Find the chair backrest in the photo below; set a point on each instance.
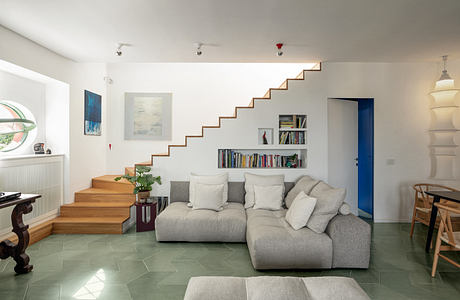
(446, 222)
(179, 191)
(421, 188)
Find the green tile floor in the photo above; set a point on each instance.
(135, 266)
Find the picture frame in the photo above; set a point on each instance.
(148, 116)
(92, 114)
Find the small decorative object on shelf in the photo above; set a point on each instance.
(265, 136)
(48, 151)
(232, 158)
(39, 148)
(142, 182)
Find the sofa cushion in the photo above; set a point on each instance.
(268, 197)
(328, 203)
(208, 179)
(208, 196)
(253, 179)
(273, 287)
(274, 244)
(178, 222)
(300, 211)
(305, 184)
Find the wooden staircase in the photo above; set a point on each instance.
(283, 87)
(103, 208)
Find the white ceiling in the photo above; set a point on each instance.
(240, 30)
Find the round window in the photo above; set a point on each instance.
(17, 126)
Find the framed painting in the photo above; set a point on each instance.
(148, 116)
(93, 114)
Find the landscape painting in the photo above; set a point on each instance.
(148, 116)
(93, 113)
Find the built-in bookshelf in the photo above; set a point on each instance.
(292, 129)
(289, 152)
(275, 158)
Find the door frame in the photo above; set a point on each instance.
(363, 165)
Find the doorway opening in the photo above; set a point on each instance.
(351, 151)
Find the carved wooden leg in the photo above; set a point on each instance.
(21, 230)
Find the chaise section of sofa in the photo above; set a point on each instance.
(178, 222)
(274, 244)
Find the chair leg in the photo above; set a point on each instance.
(436, 250)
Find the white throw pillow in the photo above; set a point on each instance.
(268, 197)
(328, 203)
(252, 179)
(208, 196)
(305, 184)
(300, 210)
(208, 179)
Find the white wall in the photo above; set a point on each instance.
(402, 119)
(201, 93)
(29, 93)
(86, 157)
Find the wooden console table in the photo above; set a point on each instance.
(17, 251)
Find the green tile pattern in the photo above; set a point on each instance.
(136, 266)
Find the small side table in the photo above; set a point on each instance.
(145, 216)
(18, 251)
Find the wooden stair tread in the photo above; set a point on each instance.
(92, 220)
(111, 179)
(101, 204)
(102, 191)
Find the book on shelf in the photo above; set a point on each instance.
(292, 137)
(232, 159)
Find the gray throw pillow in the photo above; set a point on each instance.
(329, 200)
(305, 184)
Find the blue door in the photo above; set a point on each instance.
(366, 155)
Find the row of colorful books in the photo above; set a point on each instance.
(295, 122)
(292, 137)
(232, 159)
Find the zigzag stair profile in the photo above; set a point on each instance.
(103, 208)
(268, 95)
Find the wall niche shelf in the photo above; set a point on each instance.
(292, 129)
(262, 158)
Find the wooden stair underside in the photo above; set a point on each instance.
(284, 86)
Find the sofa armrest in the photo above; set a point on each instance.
(351, 241)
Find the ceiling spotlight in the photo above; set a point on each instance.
(119, 46)
(279, 46)
(198, 48)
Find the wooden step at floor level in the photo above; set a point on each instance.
(97, 209)
(108, 182)
(87, 225)
(36, 232)
(104, 195)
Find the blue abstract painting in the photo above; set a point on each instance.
(93, 114)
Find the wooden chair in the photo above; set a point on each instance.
(423, 203)
(447, 236)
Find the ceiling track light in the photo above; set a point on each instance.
(119, 46)
(198, 46)
(279, 46)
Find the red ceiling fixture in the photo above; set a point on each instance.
(279, 46)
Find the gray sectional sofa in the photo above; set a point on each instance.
(273, 287)
(272, 242)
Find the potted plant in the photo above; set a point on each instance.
(142, 182)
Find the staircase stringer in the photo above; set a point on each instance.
(268, 95)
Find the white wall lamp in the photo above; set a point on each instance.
(443, 130)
